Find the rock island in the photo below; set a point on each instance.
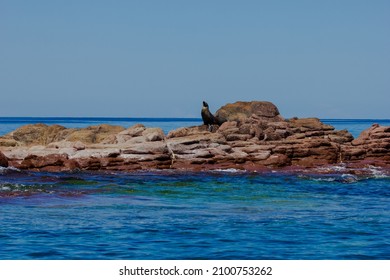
(254, 136)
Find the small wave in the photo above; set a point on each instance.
(332, 169)
(377, 172)
(5, 170)
(331, 179)
(349, 178)
(344, 178)
(229, 170)
(5, 188)
(12, 187)
(352, 174)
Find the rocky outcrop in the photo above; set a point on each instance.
(36, 134)
(42, 134)
(240, 111)
(91, 134)
(371, 145)
(254, 137)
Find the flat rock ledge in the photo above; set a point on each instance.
(254, 138)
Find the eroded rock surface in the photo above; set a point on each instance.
(373, 144)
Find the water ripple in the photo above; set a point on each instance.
(216, 215)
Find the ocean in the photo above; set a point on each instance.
(8, 124)
(223, 214)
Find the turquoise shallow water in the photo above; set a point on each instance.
(177, 215)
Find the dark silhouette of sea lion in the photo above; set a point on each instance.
(207, 117)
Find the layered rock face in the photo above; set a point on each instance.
(254, 136)
(372, 145)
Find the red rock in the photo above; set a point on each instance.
(238, 137)
(33, 161)
(228, 127)
(241, 111)
(277, 160)
(157, 147)
(3, 160)
(188, 131)
(258, 138)
(310, 161)
(111, 162)
(340, 136)
(309, 124)
(270, 134)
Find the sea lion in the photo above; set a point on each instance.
(207, 117)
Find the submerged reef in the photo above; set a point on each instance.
(254, 136)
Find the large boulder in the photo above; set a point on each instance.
(241, 111)
(153, 134)
(35, 134)
(94, 134)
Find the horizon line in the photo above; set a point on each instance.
(167, 118)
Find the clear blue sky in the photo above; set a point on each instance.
(329, 59)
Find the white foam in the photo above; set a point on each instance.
(339, 168)
(229, 170)
(330, 179)
(5, 169)
(5, 188)
(333, 168)
(377, 172)
(349, 178)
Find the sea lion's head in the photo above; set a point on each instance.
(205, 104)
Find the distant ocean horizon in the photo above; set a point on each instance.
(8, 124)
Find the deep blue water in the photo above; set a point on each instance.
(355, 127)
(193, 216)
(8, 124)
(180, 215)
